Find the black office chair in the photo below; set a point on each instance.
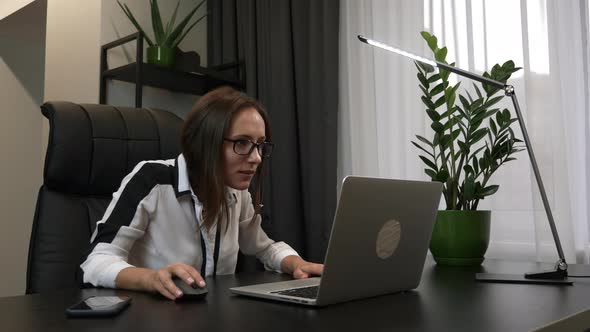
(91, 148)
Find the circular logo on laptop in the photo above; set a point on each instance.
(388, 238)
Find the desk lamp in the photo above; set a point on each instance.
(559, 274)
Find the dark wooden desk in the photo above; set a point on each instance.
(448, 299)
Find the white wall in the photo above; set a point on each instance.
(22, 50)
(7, 7)
(116, 25)
(72, 54)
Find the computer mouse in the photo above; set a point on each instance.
(189, 292)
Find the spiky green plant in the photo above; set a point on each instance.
(465, 150)
(172, 35)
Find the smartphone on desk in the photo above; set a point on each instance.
(99, 306)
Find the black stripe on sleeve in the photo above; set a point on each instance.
(138, 187)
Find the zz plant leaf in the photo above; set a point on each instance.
(471, 139)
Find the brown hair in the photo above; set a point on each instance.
(202, 140)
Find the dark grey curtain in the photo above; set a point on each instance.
(289, 50)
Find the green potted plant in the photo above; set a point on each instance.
(471, 139)
(163, 50)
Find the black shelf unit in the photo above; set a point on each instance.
(198, 81)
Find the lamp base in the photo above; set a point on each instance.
(556, 276)
(520, 279)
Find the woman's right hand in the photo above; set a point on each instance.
(161, 280)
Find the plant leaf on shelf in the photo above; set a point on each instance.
(179, 39)
(129, 15)
(157, 22)
(170, 35)
(172, 19)
(176, 32)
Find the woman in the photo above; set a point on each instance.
(171, 216)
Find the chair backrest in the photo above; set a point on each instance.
(91, 148)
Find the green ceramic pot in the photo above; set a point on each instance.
(161, 56)
(460, 238)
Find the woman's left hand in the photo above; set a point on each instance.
(300, 268)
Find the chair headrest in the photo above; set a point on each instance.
(92, 147)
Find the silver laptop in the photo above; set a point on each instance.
(378, 244)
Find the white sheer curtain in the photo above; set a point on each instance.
(381, 109)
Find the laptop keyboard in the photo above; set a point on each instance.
(310, 292)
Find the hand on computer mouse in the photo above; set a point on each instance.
(192, 292)
(161, 280)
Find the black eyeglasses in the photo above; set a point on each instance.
(244, 147)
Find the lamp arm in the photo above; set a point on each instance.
(509, 90)
(472, 76)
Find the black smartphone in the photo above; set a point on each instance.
(97, 306)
